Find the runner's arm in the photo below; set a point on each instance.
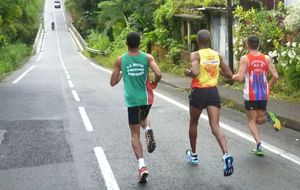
(225, 70)
(194, 70)
(239, 76)
(273, 72)
(116, 75)
(154, 67)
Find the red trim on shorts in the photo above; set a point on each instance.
(150, 93)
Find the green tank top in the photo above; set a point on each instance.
(135, 72)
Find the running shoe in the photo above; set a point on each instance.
(274, 121)
(258, 151)
(143, 174)
(151, 145)
(193, 159)
(228, 167)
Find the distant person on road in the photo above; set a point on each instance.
(134, 66)
(206, 65)
(254, 68)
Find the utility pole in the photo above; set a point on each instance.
(229, 28)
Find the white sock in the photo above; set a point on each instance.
(141, 163)
(224, 156)
(146, 129)
(193, 153)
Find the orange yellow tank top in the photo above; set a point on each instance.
(209, 69)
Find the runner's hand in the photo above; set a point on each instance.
(153, 84)
(187, 72)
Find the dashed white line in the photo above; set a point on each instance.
(75, 95)
(23, 75)
(109, 178)
(71, 85)
(68, 76)
(86, 120)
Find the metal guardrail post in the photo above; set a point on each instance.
(83, 42)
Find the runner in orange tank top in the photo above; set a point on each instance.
(204, 72)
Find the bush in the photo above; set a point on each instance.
(264, 24)
(98, 41)
(288, 57)
(11, 56)
(292, 21)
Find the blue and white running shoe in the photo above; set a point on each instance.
(193, 159)
(228, 167)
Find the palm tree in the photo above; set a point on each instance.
(113, 11)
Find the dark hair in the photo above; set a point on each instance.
(133, 40)
(253, 42)
(203, 37)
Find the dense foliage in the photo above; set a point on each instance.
(105, 23)
(279, 38)
(19, 22)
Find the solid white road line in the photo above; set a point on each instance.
(71, 85)
(23, 75)
(86, 120)
(75, 95)
(64, 16)
(109, 178)
(39, 57)
(83, 56)
(239, 133)
(100, 68)
(231, 129)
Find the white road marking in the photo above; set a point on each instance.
(75, 95)
(100, 68)
(233, 130)
(64, 16)
(109, 178)
(239, 133)
(86, 120)
(23, 75)
(83, 56)
(39, 57)
(68, 76)
(43, 44)
(71, 85)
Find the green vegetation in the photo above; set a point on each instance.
(279, 38)
(105, 24)
(19, 22)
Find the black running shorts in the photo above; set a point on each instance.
(255, 105)
(203, 97)
(138, 113)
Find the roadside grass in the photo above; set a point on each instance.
(12, 57)
(106, 60)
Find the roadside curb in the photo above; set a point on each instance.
(286, 122)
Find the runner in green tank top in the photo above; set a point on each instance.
(138, 95)
(137, 87)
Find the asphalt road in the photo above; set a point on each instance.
(63, 127)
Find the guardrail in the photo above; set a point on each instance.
(37, 40)
(83, 42)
